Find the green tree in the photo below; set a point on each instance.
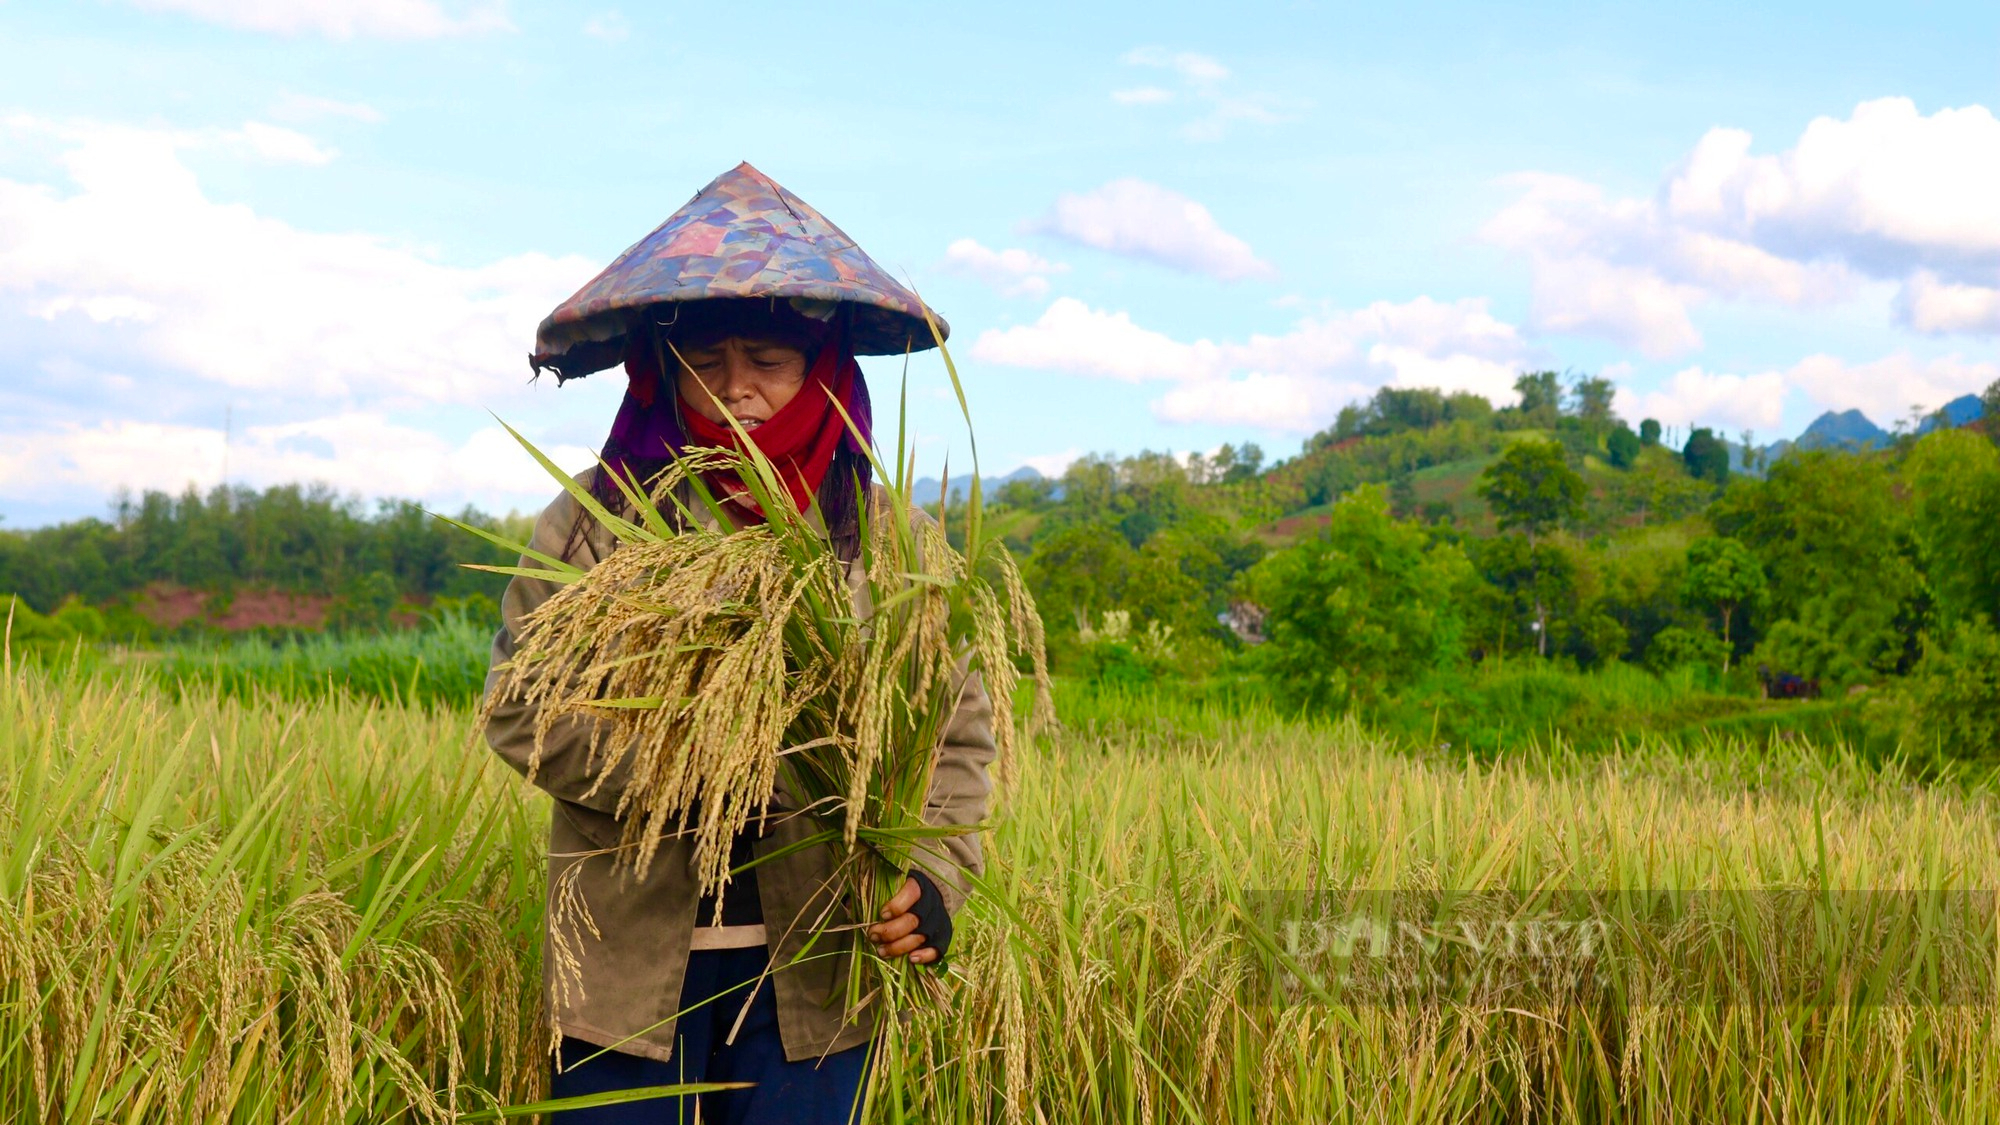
(1249, 461)
(1706, 456)
(366, 603)
(1402, 496)
(1591, 396)
(1953, 477)
(1834, 537)
(1532, 487)
(1649, 432)
(1956, 690)
(1724, 574)
(1621, 446)
(1658, 487)
(1541, 396)
(1367, 603)
(1989, 401)
(1079, 572)
(1030, 494)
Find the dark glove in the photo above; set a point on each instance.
(933, 920)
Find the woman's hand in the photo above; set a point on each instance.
(896, 934)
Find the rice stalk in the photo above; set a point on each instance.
(709, 662)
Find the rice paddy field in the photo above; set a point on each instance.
(222, 904)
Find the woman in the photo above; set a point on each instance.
(746, 304)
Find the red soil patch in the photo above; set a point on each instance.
(171, 606)
(1291, 527)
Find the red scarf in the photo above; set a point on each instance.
(800, 439)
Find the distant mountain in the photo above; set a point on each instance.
(1957, 412)
(1849, 429)
(927, 487)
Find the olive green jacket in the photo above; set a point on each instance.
(620, 986)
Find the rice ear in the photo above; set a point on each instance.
(710, 662)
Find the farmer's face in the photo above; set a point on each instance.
(751, 379)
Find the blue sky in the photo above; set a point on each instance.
(336, 222)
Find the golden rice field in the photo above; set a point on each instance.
(330, 911)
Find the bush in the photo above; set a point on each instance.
(1678, 647)
(38, 634)
(1112, 654)
(1956, 692)
(1803, 650)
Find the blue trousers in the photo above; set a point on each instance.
(816, 1091)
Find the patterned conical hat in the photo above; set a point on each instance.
(741, 236)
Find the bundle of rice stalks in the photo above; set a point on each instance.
(713, 660)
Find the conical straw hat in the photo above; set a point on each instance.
(741, 236)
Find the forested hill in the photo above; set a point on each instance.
(1426, 533)
(1422, 532)
(292, 556)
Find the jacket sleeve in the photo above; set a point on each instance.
(960, 788)
(566, 769)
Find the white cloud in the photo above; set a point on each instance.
(222, 294)
(1928, 304)
(287, 146)
(1890, 388)
(341, 19)
(1014, 272)
(1053, 464)
(309, 107)
(1887, 194)
(609, 26)
(1202, 81)
(1278, 402)
(1886, 390)
(359, 452)
(1192, 67)
(1144, 220)
(1072, 336)
(1694, 397)
(1293, 382)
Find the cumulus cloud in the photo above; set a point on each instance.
(145, 307)
(1144, 220)
(1929, 304)
(1694, 397)
(1891, 388)
(1014, 272)
(1293, 382)
(1053, 464)
(341, 19)
(1202, 82)
(223, 294)
(361, 452)
(1885, 194)
(1887, 390)
(286, 146)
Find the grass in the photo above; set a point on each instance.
(215, 910)
(329, 909)
(442, 664)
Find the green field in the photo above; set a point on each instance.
(327, 909)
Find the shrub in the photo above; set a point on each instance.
(1112, 653)
(1805, 650)
(1679, 647)
(1956, 691)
